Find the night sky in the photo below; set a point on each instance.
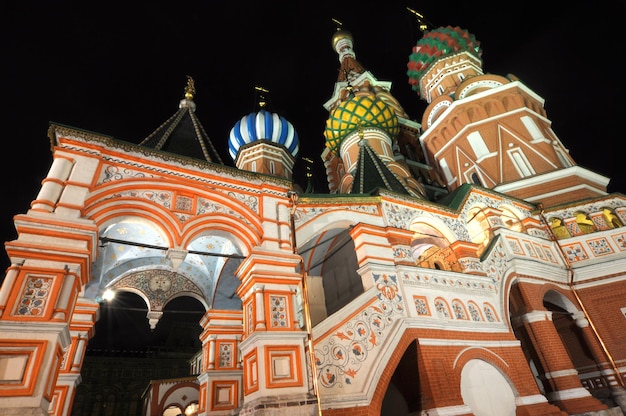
(121, 70)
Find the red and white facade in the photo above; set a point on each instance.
(505, 297)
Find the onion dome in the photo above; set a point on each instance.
(438, 43)
(359, 112)
(263, 125)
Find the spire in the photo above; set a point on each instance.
(342, 44)
(182, 133)
(262, 96)
(310, 186)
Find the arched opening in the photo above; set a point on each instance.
(485, 390)
(479, 228)
(125, 354)
(431, 248)
(558, 228)
(341, 281)
(403, 395)
(571, 336)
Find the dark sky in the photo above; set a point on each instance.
(121, 70)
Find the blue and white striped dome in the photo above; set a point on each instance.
(263, 125)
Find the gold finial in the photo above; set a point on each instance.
(262, 91)
(190, 89)
(423, 23)
(309, 161)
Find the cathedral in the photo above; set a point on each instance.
(458, 264)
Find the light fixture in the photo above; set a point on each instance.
(192, 409)
(108, 295)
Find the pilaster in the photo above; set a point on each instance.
(276, 373)
(221, 375)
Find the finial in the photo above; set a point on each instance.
(190, 89)
(360, 132)
(338, 23)
(262, 100)
(309, 163)
(423, 23)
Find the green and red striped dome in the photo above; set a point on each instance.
(361, 111)
(435, 44)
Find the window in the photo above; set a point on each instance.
(522, 165)
(533, 129)
(478, 144)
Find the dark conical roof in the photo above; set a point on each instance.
(372, 173)
(183, 133)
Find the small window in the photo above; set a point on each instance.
(522, 165)
(533, 129)
(611, 219)
(478, 144)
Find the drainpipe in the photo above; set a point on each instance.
(305, 301)
(570, 271)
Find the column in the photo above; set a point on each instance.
(566, 389)
(617, 391)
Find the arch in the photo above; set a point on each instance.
(172, 395)
(315, 237)
(174, 409)
(554, 296)
(476, 112)
(459, 309)
(432, 230)
(512, 102)
(430, 245)
(225, 227)
(611, 218)
(478, 368)
(485, 390)
(585, 224)
(159, 218)
(511, 217)
(478, 83)
(442, 308)
(493, 107)
(478, 227)
(403, 391)
(159, 199)
(405, 352)
(558, 228)
(490, 312)
(475, 313)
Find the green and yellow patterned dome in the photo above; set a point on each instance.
(362, 111)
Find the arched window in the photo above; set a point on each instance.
(442, 308)
(611, 219)
(559, 230)
(585, 224)
(490, 314)
(459, 310)
(474, 311)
